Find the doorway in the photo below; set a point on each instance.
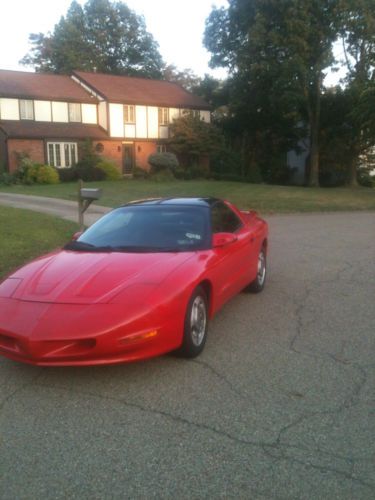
(127, 159)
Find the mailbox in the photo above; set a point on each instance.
(85, 197)
(90, 193)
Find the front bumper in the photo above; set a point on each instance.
(66, 335)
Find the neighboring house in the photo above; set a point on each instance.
(127, 119)
(136, 113)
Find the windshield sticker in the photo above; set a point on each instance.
(193, 236)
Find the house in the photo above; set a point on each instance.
(127, 118)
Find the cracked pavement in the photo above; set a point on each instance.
(281, 404)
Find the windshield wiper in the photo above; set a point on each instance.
(86, 247)
(140, 249)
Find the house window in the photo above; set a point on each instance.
(75, 112)
(161, 148)
(62, 154)
(129, 114)
(26, 109)
(195, 113)
(163, 116)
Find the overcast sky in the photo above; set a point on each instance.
(177, 25)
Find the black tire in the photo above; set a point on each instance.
(257, 285)
(195, 325)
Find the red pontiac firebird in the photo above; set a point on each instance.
(142, 281)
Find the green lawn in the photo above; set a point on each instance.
(266, 199)
(25, 235)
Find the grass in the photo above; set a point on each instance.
(265, 198)
(26, 234)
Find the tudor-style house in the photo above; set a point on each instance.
(48, 117)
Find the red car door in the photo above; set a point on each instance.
(231, 265)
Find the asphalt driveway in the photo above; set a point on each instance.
(281, 404)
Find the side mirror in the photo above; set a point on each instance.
(223, 239)
(76, 235)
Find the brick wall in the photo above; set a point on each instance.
(112, 150)
(33, 147)
(142, 151)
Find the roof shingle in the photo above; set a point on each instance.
(133, 90)
(24, 85)
(47, 130)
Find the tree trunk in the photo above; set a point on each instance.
(352, 173)
(314, 118)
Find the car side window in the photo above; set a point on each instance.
(223, 219)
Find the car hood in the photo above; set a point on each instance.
(69, 277)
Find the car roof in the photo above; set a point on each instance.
(184, 201)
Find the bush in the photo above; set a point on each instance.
(165, 175)
(69, 174)
(41, 174)
(365, 179)
(162, 161)
(7, 179)
(29, 172)
(140, 173)
(89, 173)
(110, 170)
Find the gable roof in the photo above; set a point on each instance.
(133, 90)
(24, 85)
(46, 130)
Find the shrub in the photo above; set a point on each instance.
(24, 163)
(7, 179)
(110, 170)
(140, 173)
(41, 174)
(365, 178)
(165, 175)
(69, 174)
(162, 161)
(89, 173)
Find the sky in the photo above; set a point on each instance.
(177, 25)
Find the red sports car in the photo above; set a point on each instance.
(142, 281)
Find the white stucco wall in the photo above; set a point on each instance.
(163, 132)
(174, 113)
(60, 111)
(42, 111)
(153, 122)
(89, 113)
(9, 109)
(116, 120)
(129, 131)
(205, 116)
(141, 122)
(102, 114)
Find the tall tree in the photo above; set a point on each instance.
(102, 35)
(185, 77)
(357, 30)
(279, 51)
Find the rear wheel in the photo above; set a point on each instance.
(196, 325)
(257, 285)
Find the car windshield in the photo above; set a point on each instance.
(156, 228)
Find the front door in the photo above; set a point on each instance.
(127, 159)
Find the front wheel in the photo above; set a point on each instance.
(195, 325)
(257, 285)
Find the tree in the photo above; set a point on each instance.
(279, 51)
(186, 77)
(101, 36)
(191, 138)
(357, 30)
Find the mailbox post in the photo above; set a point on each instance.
(85, 197)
